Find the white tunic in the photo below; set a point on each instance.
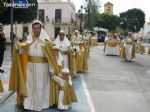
(112, 50)
(128, 51)
(38, 80)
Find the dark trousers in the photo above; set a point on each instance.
(1, 57)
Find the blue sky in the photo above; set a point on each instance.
(122, 5)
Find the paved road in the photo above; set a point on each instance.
(116, 85)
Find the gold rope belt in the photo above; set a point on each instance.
(37, 59)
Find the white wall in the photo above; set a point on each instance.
(145, 31)
(67, 11)
(7, 30)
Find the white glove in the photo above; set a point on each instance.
(51, 72)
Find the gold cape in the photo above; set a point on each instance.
(85, 58)
(69, 95)
(17, 81)
(71, 63)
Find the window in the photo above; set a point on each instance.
(57, 30)
(41, 15)
(58, 15)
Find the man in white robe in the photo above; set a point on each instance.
(64, 45)
(129, 47)
(38, 70)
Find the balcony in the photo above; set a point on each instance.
(64, 21)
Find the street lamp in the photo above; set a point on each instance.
(11, 28)
(81, 17)
(89, 3)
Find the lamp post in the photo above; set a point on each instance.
(11, 28)
(81, 17)
(89, 3)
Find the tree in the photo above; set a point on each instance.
(92, 9)
(20, 15)
(108, 21)
(132, 20)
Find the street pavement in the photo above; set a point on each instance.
(5, 76)
(116, 85)
(110, 85)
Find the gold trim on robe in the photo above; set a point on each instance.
(69, 94)
(71, 64)
(17, 77)
(54, 87)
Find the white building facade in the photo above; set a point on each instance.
(146, 33)
(55, 15)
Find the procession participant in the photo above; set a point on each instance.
(112, 45)
(108, 37)
(128, 50)
(141, 47)
(64, 45)
(121, 36)
(2, 50)
(32, 82)
(149, 51)
(2, 46)
(138, 43)
(85, 56)
(67, 93)
(67, 51)
(77, 37)
(72, 59)
(79, 58)
(86, 40)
